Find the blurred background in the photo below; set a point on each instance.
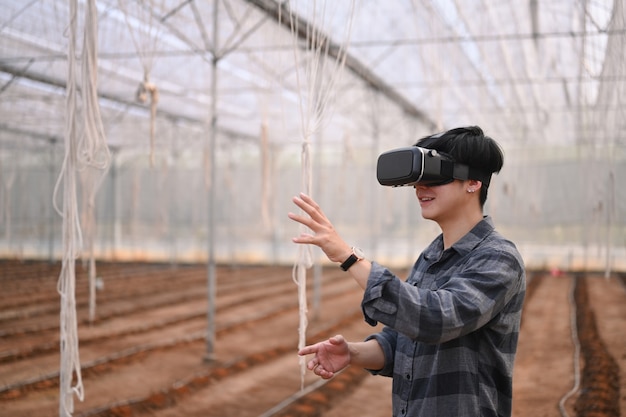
(178, 130)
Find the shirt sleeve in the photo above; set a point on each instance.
(387, 339)
(457, 303)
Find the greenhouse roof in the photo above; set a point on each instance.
(538, 73)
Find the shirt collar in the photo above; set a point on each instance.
(464, 245)
(468, 242)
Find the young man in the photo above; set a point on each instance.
(451, 328)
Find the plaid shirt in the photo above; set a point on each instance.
(451, 329)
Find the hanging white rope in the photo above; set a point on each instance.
(93, 153)
(70, 361)
(90, 180)
(145, 36)
(86, 150)
(315, 87)
(304, 262)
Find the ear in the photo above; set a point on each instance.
(473, 186)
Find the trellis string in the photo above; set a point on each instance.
(147, 90)
(319, 82)
(93, 152)
(81, 151)
(72, 239)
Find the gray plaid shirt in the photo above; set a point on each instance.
(451, 329)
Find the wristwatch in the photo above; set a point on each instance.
(356, 255)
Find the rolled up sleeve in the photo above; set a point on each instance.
(381, 280)
(387, 339)
(457, 302)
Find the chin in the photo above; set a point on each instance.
(428, 216)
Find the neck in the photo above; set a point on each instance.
(454, 229)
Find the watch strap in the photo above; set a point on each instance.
(352, 259)
(355, 256)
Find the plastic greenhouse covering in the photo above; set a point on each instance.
(179, 130)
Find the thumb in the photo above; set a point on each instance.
(337, 340)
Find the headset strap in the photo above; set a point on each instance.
(464, 172)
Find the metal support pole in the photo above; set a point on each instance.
(211, 278)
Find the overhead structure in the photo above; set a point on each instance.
(545, 79)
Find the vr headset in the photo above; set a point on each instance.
(412, 165)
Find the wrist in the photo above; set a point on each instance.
(356, 255)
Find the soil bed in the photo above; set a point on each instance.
(144, 354)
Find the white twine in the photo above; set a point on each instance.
(319, 82)
(299, 276)
(86, 150)
(72, 240)
(304, 262)
(148, 89)
(145, 39)
(93, 151)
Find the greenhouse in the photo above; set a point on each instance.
(177, 132)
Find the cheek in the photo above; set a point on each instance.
(452, 199)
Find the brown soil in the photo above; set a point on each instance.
(145, 354)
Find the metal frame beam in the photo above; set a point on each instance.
(278, 11)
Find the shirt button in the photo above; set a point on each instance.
(408, 376)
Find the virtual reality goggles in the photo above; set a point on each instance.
(412, 165)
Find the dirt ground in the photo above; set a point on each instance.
(145, 354)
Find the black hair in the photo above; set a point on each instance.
(469, 146)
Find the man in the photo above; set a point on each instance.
(451, 328)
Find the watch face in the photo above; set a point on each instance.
(358, 252)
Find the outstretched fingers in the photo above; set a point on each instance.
(315, 219)
(305, 220)
(310, 207)
(307, 350)
(323, 233)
